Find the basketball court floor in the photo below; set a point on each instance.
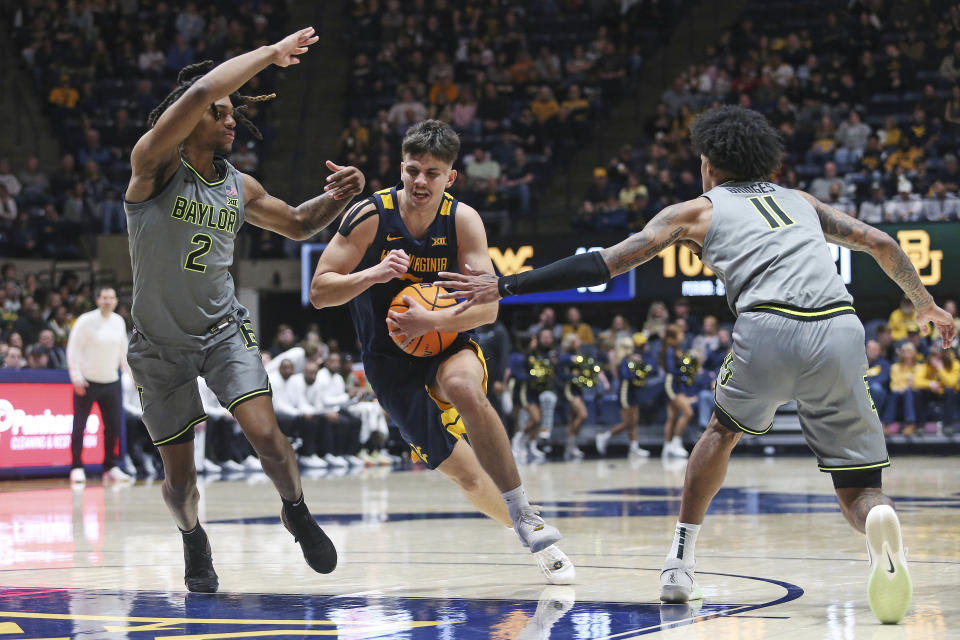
(775, 558)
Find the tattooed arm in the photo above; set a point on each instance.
(679, 223)
(302, 222)
(687, 222)
(840, 228)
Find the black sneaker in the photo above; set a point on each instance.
(198, 574)
(318, 549)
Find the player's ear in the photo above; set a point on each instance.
(451, 178)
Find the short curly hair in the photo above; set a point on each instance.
(738, 141)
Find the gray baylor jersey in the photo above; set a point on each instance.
(181, 245)
(766, 244)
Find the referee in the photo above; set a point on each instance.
(96, 349)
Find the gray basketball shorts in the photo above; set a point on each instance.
(166, 379)
(820, 363)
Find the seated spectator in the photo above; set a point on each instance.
(13, 358)
(820, 187)
(575, 104)
(406, 112)
(940, 206)
(140, 450)
(690, 322)
(36, 183)
(37, 357)
(838, 199)
(906, 157)
(332, 398)
(7, 179)
(655, 326)
(444, 87)
(950, 65)
(482, 171)
(902, 402)
(906, 206)
(853, 133)
(492, 109)
(878, 375)
(544, 106)
(57, 356)
(901, 318)
(872, 210)
(516, 181)
(465, 112)
(938, 382)
(578, 327)
(110, 213)
(64, 95)
(619, 328)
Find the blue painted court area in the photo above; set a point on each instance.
(81, 613)
(644, 501)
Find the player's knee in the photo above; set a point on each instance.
(464, 392)
(179, 487)
(722, 433)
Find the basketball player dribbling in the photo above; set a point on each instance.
(184, 205)
(796, 337)
(407, 234)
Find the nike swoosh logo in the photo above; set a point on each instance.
(890, 560)
(391, 238)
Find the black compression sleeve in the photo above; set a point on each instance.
(583, 270)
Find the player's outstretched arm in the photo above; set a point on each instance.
(678, 222)
(302, 222)
(333, 283)
(840, 228)
(160, 144)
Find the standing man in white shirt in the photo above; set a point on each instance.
(96, 350)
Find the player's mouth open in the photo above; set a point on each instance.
(421, 196)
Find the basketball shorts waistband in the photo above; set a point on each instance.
(805, 315)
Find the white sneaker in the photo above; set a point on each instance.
(535, 534)
(601, 440)
(535, 454)
(116, 474)
(232, 465)
(636, 451)
(128, 463)
(369, 459)
(389, 457)
(890, 588)
(555, 565)
(335, 461)
(354, 461)
(209, 466)
(677, 582)
(313, 462)
(573, 453)
(252, 463)
(677, 448)
(78, 476)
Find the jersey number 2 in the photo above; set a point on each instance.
(770, 210)
(205, 242)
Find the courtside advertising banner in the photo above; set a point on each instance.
(36, 422)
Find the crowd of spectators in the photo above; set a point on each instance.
(326, 407)
(866, 96)
(99, 69)
(522, 83)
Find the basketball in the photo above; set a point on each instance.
(428, 297)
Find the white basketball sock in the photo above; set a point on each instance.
(517, 502)
(684, 542)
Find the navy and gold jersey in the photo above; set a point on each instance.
(436, 251)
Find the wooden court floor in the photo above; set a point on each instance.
(775, 558)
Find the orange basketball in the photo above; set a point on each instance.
(428, 297)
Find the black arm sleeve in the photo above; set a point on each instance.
(583, 270)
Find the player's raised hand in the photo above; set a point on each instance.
(942, 320)
(474, 287)
(286, 51)
(393, 266)
(344, 182)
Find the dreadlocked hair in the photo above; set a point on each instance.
(193, 72)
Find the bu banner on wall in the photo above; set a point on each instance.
(36, 422)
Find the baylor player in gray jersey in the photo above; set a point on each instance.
(796, 336)
(184, 206)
